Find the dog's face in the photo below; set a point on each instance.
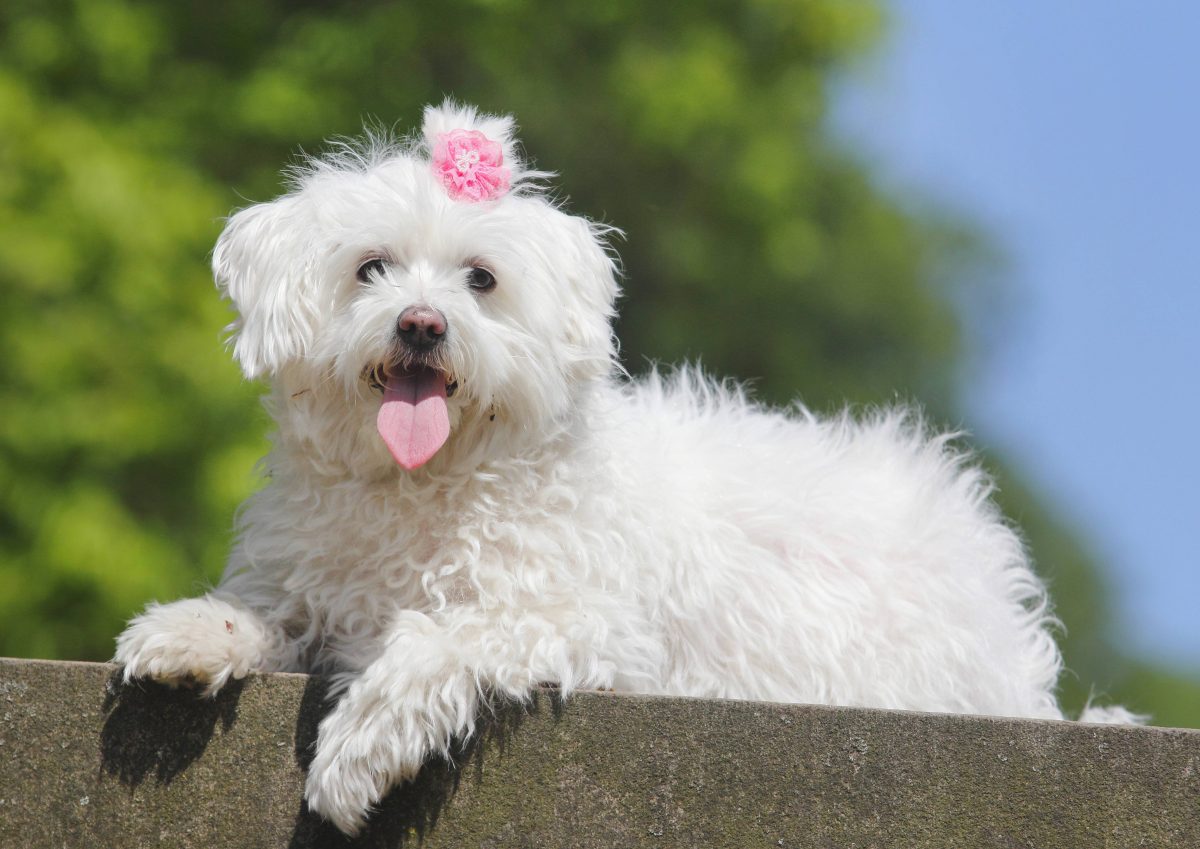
(416, 305)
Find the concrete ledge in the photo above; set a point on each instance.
(87, 763)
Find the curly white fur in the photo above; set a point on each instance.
(664, 536)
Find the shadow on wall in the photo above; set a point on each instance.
(154, 730)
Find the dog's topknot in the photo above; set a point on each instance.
(380, 144)
(450, 116)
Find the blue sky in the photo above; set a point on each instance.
(1071, 133)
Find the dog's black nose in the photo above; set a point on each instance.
(421, 327)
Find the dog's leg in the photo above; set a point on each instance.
(424, 691)
(207, 641)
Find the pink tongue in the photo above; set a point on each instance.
(413, 420)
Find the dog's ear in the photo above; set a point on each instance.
(260, 263)
(591, 271)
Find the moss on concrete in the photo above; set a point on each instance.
(85, 762)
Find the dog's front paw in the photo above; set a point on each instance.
(202, 641)
(341, 788)
(360, 755)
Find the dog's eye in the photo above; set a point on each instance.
(481, 280)
(370, 268)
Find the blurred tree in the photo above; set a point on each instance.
(131, 128)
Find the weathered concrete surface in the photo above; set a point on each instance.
(87, 763)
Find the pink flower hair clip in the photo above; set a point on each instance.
(470, 165)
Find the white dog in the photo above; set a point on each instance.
(464, 500)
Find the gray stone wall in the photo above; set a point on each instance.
(85, 762)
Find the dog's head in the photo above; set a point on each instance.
(414, 291)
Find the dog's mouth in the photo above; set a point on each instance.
(376, 377)
(413, 419)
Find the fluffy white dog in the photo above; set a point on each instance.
(464, 500)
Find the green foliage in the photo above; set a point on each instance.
(130, 129)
